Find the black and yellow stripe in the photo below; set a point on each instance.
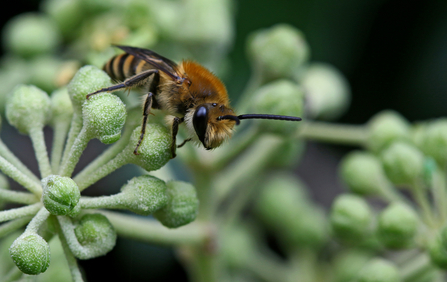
(124, 66)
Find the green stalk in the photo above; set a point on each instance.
(13, 225)
(59, 135)
(18, 197)
(76, 150)
(21, 178)
(19, 212)
(38, 220)
(333, 133)
(75, 128)
(40, 150)
(10, 157)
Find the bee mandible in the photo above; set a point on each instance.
(188, 91)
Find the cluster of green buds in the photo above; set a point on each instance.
(54, 204)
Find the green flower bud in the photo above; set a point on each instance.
(351, 218)
(98, 6)
(31, 34)
(310, 230)
(327, 91)
(87, 80)
(66, 13)
(60, 194)
(104, 116)
(95, 232)
(279, 51)
(288, 154)
(379, 270)
(182, 206)
(363, 173)
(14, 72)
(27, 107)
(31, 253)
(438, 248)
(154, 151)
(61, 107)
(145, 194)
(403, 163)
(386, 127)
(434, 140)
(397, 226)
(281, 97)
(239, 246)
(348, 263)
(44, 71)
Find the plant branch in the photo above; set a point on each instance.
(18, 197)
(13, 225)
(333, 133)
(37, 138)
(59, 135)
(20, 177)
(10, 157)
(20, 212)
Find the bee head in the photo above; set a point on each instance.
(209, 129)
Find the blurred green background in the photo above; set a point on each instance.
(392, 52)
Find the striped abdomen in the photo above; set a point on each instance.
(124, 66)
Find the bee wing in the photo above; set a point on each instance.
(164, 64)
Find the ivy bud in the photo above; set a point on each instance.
(386, 127)
(403, 163)
(31, 34)
(104, 116)
(27, 107)
(281, 97)
(434, 140)
(327, 91)
(351, 218)
(348, 263)
(182, 207)
(278, 51)
(61, 107)
(87, 80)
(95, 232)
(60, 194)
(154, 151)
(363, 173)
(397, 226)
(145, 194)
(31, 253)
(438, 248)
(379, 270)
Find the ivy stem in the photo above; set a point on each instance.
(20, 212)
(10, 157)
(439, 191)
(151, 231)
(18, 197)
(76, 150)
(13, 225)
(103, 202)
(75, 128)
(85, 181)
(266, 268)
(13, 275)
(40, 149)
(37, 220)
(412, 270)
(71, 260)
(60, 133)
(333, 133)
(21, 178)
(422, 200)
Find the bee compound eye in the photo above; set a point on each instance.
(200, 122)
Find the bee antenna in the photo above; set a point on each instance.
(235, 118)
(262, 116)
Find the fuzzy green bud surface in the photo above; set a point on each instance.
(95, 232)
(27, 107)
(60, 194)
(362, 172)
(145, 194)
(87, 80)
(379, 270)
(182, 207)
(104, 116)
(403, 163)
(281, 97)
(31, 34)
(31, 253)
(154, 151)
(438, 248)
(386, 127)
(397, 226)
(61, 107)
(351, 217)
(278, 51)
(434, 140)
(327, 91)
(348, 263)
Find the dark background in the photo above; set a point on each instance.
(392, 52)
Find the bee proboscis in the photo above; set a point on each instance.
(188, 91)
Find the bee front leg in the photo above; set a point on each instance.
(174, 132)
(146, 111)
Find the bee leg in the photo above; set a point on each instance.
(128, 83)
(146, 111)
(184, 142)
(175, 125)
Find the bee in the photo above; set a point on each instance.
(187, 91)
